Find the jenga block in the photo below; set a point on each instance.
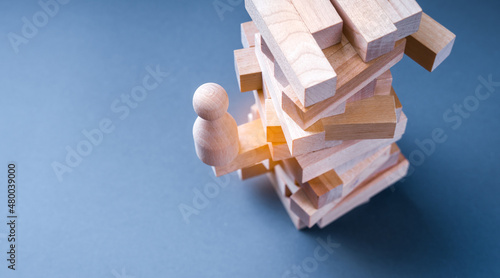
(286, 202)
(404, 14)
(371, 118)
(299, 141)
(254, 111)
(274, 131)
(322, 20)
(296, 51)
(288, 186)
(323, 189)
(399, 106)
(253, 148)
(353, 75)
(279, 151)
(341, 169)
(317, 163)
(365, 191)
(310, 215)
(252, 171)
(384, 84)
(367, 92)
(361, 171)
(431, 44)
(393, 159)
(248, 31)
(247, 69)
(367, 27)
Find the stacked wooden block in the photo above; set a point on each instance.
(326, 117)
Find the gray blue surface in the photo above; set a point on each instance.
(117, 213)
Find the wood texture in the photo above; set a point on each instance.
(294, 48)
(367, 27)
(253, 148)
(317, 163)
(353, 75)
(371, 118)
(248, 31)
(322, 20)
(367, 190)
(299, 141)
(252, 171)
(215, 132)
(384, 84)
(310, 215)
(404, 14)
(274, 131)
(247, 69)
(431, 45)
(323, 189)
(286, 202)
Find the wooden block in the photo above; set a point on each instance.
(431, 44)
(317, 163)
(365, 191)
(288, 186)
(274, 131)
(296, 51)
(323, 189)
(371, 118)
(286, 202)
(404, 14)
(253, 148)
(248, 31)
(252, 171)
(309, 214)
(367, 27)
(353, 75)
(363, 170)
(279, 151)
(367, 92)
(247, 69)
(393, 159)
(399, 106)
(299, 141)
(384, 84)
(322, 20)
(254, 111)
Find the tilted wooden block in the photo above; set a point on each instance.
(317, 163)
(371, 118)
(274, 131)
(248, 31)
(253, 148)
(286, 184)
(279, 151)
(367, 27)
(353, 75)
(367, 92)
(247, 69)
(384, 84)
(295, 49)
(367, 190)
(322, 20)
(252, 171)
(431, 45)
(286, 202)
(298, 140)
(310, 215)
(405, 14)
(324, 189)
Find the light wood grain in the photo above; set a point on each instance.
(404, 14)
(247, 69)
(431, 45)
(322, 20)
(253, 148)
(371, 118)
(365, 191)
(295, 49)
(353, 75)
(248, 31)
(367, 27)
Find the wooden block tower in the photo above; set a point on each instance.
(326, 118)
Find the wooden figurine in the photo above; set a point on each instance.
(215, 131)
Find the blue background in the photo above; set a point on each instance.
(117, 213)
